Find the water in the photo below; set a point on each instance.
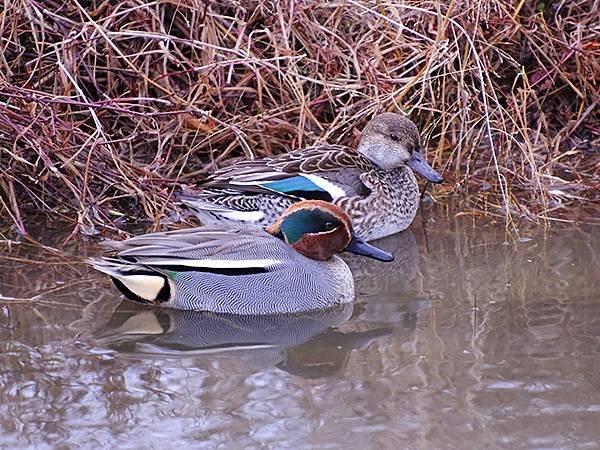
(465, 341)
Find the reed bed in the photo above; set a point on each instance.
(108, 107)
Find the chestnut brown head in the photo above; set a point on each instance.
(319, 230)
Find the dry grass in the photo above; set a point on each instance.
(107, 106)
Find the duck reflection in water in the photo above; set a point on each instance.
(389, 290)
(257, 340)
(373, 277)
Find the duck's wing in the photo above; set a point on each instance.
(145, 266)
(301, 174)
(204, 249)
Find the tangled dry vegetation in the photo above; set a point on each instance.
(107, 106)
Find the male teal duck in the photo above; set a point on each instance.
(288, 267)
(373, 184)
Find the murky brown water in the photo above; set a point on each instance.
(463, 342)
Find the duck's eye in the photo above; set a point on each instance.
(394, 137)
(329, 226)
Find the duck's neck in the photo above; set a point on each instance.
(275, 231)
(399, 177)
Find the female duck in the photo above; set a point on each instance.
(373, 184)
(288, 267)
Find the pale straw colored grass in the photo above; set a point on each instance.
(106, 109)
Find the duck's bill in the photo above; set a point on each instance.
(418, 163)
(360, 247)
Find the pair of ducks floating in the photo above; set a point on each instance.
(305, 206)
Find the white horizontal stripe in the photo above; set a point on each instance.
(212, 263)
(335, 191)
(151, 349)
(245, 216)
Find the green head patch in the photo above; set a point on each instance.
(307, 221)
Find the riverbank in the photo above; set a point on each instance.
(106, 111)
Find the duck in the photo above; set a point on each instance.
(374, 184)
(308, 344)
(288, 267)
(199, 331)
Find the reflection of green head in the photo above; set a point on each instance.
(307, 221)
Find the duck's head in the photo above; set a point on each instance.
(319, 230)
(392, 140)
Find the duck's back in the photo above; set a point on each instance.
(259, 191)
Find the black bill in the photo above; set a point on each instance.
(360, 247)
(418, 163)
